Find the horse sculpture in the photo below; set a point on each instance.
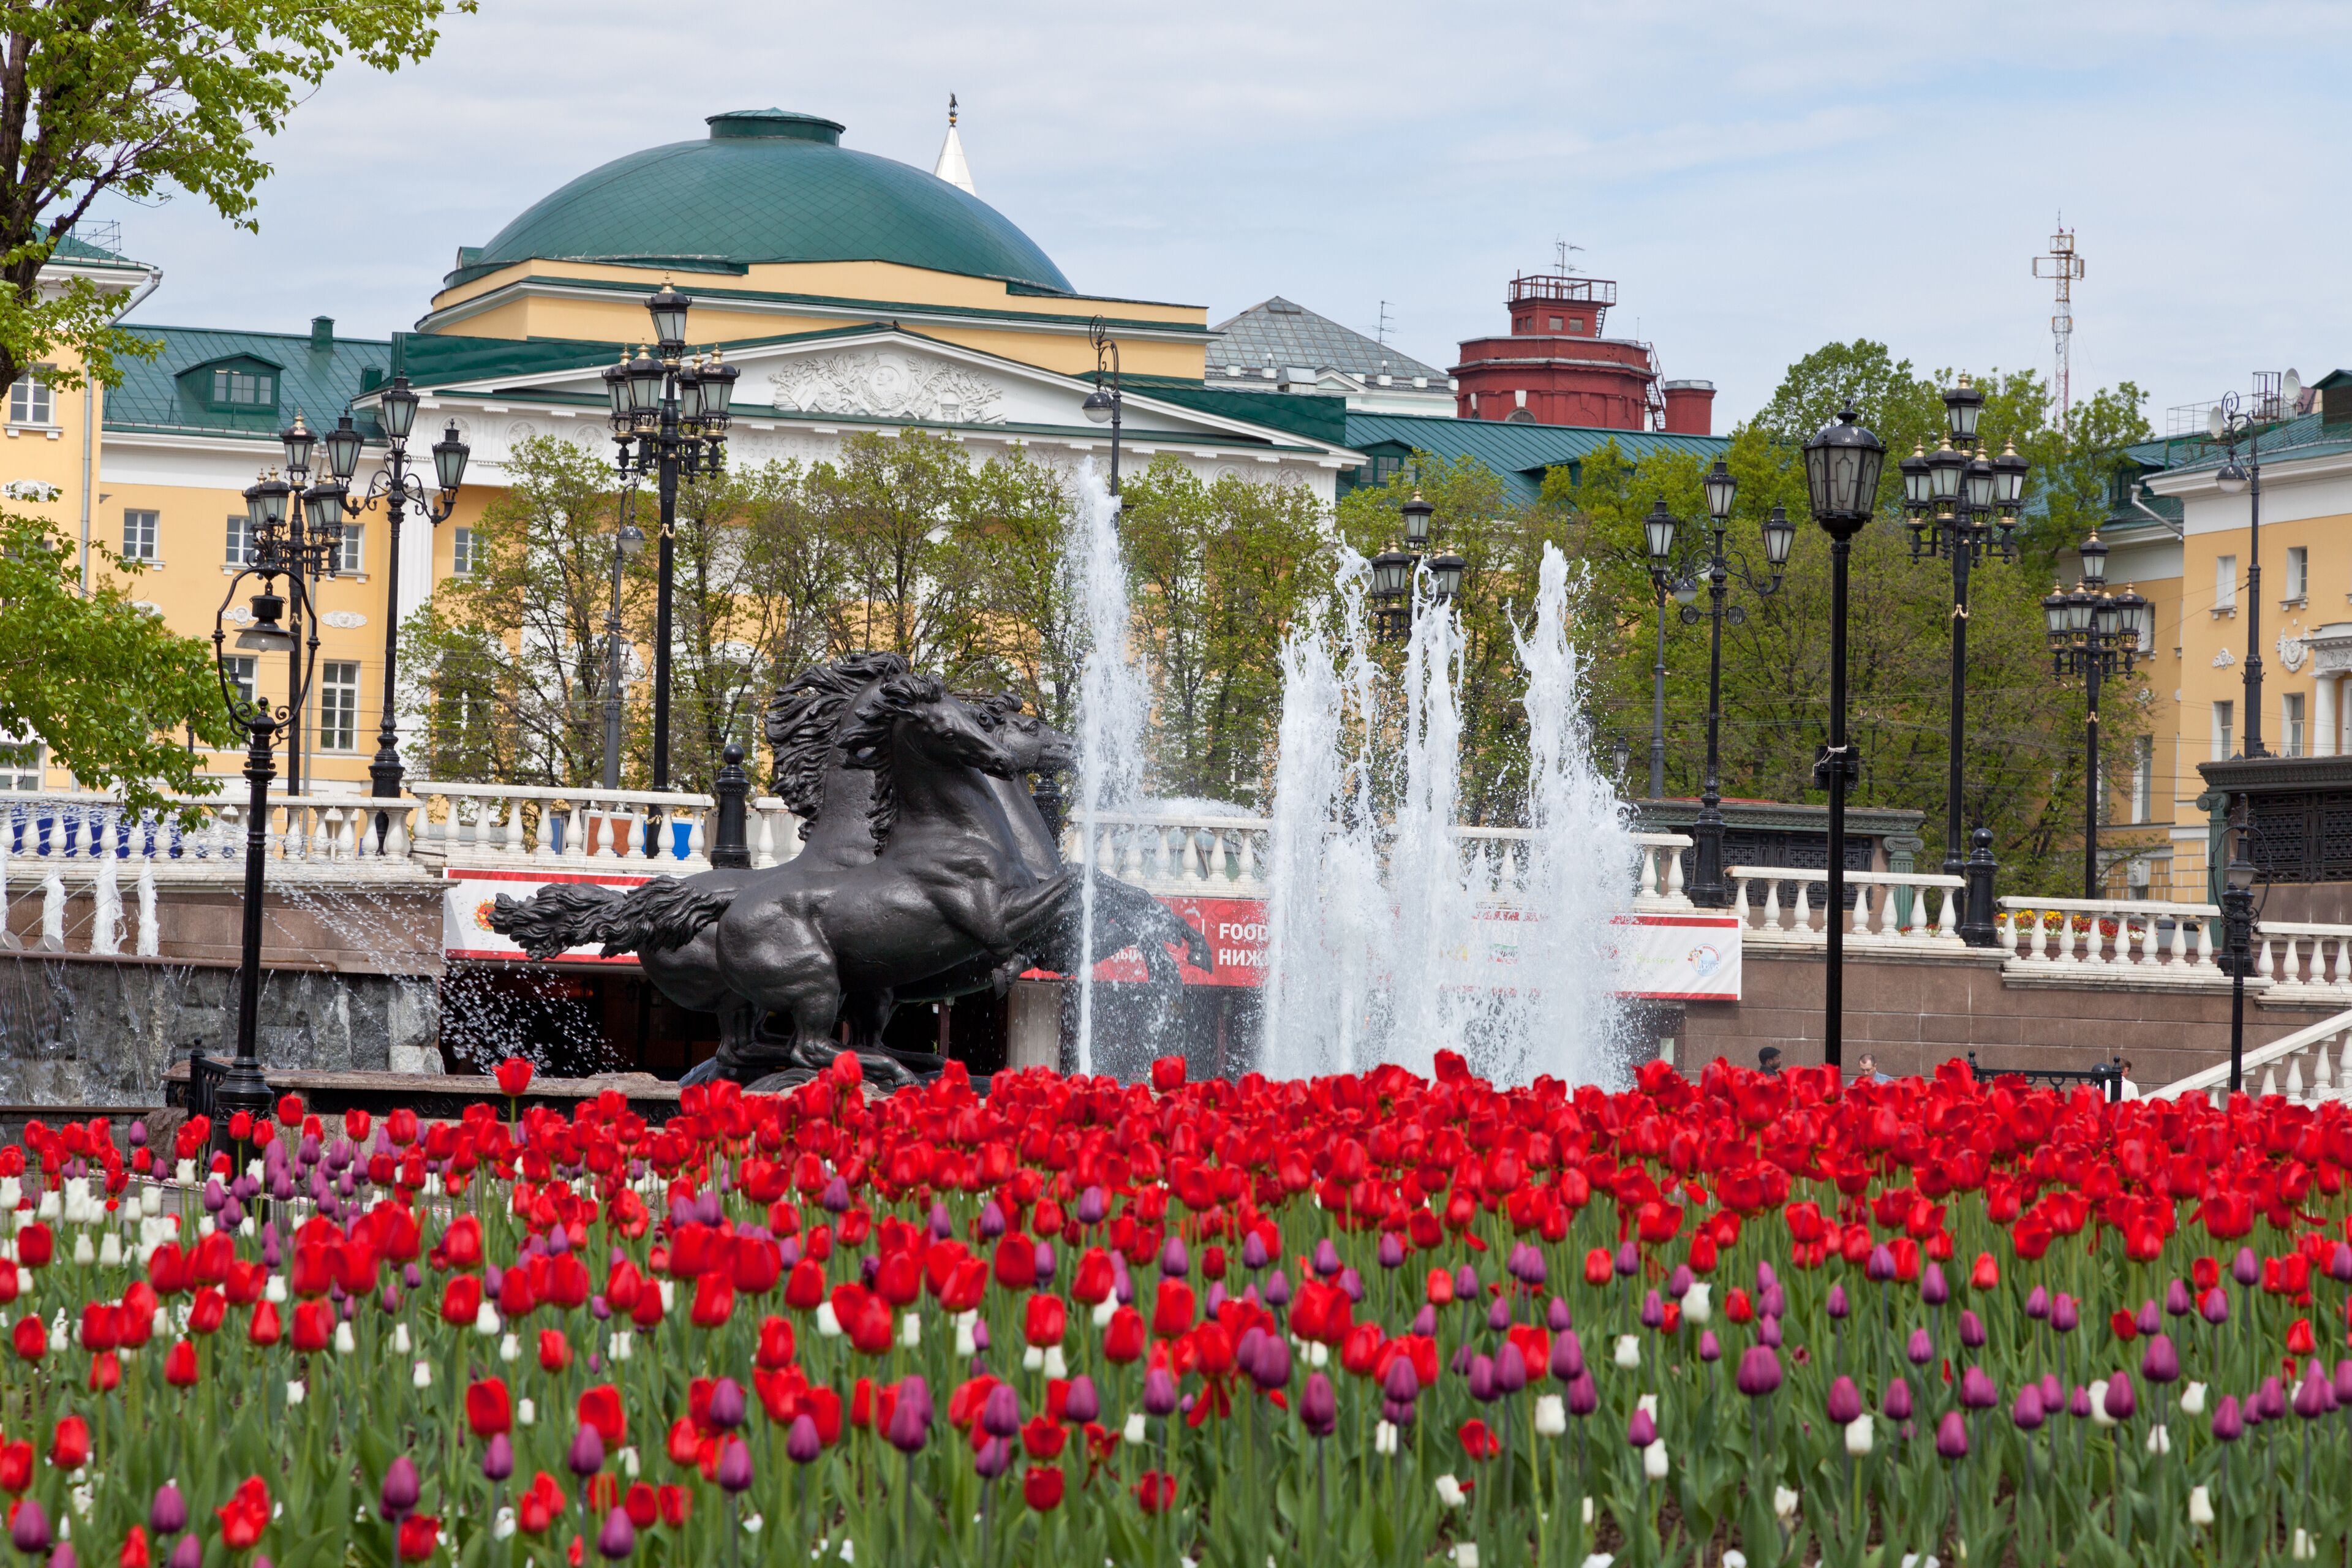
(863, 746)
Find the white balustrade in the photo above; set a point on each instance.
(2321, 1046)
(2303, 961)
(1201, 855)
(1882, 915)
(1661, 884)
(2151, 940)
(73, 834)
(551, 828)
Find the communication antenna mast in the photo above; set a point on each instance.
(1382, 334)
(1561, 247)
(2064, 266)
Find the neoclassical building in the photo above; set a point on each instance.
(855, 293)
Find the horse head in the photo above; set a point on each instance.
(908, 723)
(1033, 744)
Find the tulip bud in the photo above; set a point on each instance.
(1654, 1311)
(2063, 1314)
(1859, 1436)
(1641, 1431)
(802, 1443)
(1678, 1283)
(1557, 1317)
(1499, 1315)
(1254, 1256)
(1897, 1402)
(1318, 1405)
(2149, 1320)
(2177, 1302)
(1402, 1384)
(1653, 1461)
(2027, 1413)
(168, 1514)
(2229, 1426)
(1159, 1391)
(2215, 1308)
(1629, 1351)
(1698, 1303)
(2201, 1507)
(619, 1537)
(1932, 1289)
(1759, 1371)
(1837, 1303)
(1921, 1349)
(28, 1528)
(2312, 1395)
(1583, 1396)
(1392, 1251)
(402, 1487)
(1952, 1437)
(993, 1459)
(1972, 1331)
(2161, 1362)
(497, 1458)
(587, 1455)
(1977, 1390)
(2037, 1304)
(1510, 1370)
(1710, 1349)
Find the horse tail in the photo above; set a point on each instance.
(653, 917)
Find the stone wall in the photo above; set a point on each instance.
(81, 1030)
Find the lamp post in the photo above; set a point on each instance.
(308, 547)
(2092, 634)
(1671, 577)
(1103, 404)
(1842, 469)
(627, 541)
(2238, 933)
(280, 549)
(669, 420)
(1396, 572)
(2230, 425)
(1952, 501)
(399, 488)
(1707, 885)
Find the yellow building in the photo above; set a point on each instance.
(851, 291)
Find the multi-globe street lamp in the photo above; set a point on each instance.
(1954, 499)
(1396, 569)
(1708, 886)
(2232, 425)
(309, 546)
(1842, 470)
(669, 420)
(399, 488)
(281, 546)
(1672, 578)
(2092, 634)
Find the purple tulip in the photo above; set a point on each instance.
(497, 1458)
(911, 1418)
(991, 1221)
(1641, 1431)
(1759, 1371)
(1174, 1261)
(1278, 1290)
(2343, 1380)
(2246, 1268)
(981, 1338)
(1401, 1386)
(1327, 1259)
(1654, 1311)
(1318, 1405)
(801, 1443)
(735, 1465)
(2227, 1424)
(2215, 1306)
(1897, 1402)
(1932, 1289)
(2037, 1304)
(2078, 1403)
(1254, 1256)
(1083, 1404)
(2312, 1395)
(587, 1455)
(168, 1514)
(1424, 1322)
(1392, 1250)
(2150, 1320)
(1567, 1357)
(1482, 1379)
(1272, 1371)
(1837, 1305)
(1499, 1315)
(1844, 1402)
(2273, 1398)
(188, 1553)
(1042, 1257)
(1557, 1317)
(1000, 1412)
(63, 1557)
(1710, 1349)
(1510, 1370)
(1629, 1259)
(1768, 1332)
(2177, 1301)
(1246, 1354)
(994, 1458)
(619, 1537)
(1583, 1396)
(1921, 1349)
(1977, 1390)
(2063, 1313)
(2161, 1362)
(1535, 1271)
(725, 1410)
(1952, 1437)
(1773, 1302)
(403, 1485)
(1094, 1205)
(1465, 1284)
(2121, 1402)
(1679, 1282)
(2027, 1412)
(29, 1530)
(2339, 1264)
(1159, 1391)
(1880, 1269)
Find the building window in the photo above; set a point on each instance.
(2298, 574)
(2225, 730)
(139, 536)
(28, 399)
(2290, 722)
(2143, 785)
(244, 389)
(238, 548)
(338, 705)
(351, 559)
(20, 766)
(1555, 323)
(461, 539)
(2225, 582)
(242, 668)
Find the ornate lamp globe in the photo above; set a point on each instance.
(1842, 469)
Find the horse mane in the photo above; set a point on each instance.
(864, 739)
(802, 720)
(993, 707)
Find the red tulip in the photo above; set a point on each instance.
(70, 1444)
(776, 1344)
(180, 1364)
(1123, 1339)
(289, 1110)
(1171, 1311)
(1044, 1437)
(1044, 1319)
(601, 1407)
(245, 1515)
(461, 1299)
(461, 1244)
(264, 1328)
(419, 1535)
(488, 1409)
(16, 1467)
(554, 1349)
(36, 1245)
(30, 1338)
(514, 1076)
(1041, 1488)
(1479, 1440)
(135, 1551)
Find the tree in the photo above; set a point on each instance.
(888, 505)
(136, 99)
(1220, 573)
(1012, 518)
(108, 686)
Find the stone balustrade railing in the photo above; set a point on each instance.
(72, 835)
(1199, 855)
(1890, 909)
(2300, 962)
(580, 828)
(1659, 885)
(2320, 1047)
(2138, 939)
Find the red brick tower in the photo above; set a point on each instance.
(1557, 368)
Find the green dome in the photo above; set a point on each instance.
(766, 185)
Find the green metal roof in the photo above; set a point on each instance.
(1520, 453)
(317, 379)
(1316, 418)
(766, 186)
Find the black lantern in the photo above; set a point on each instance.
(645, 376)
(718, 392)
(344, 443)
(1944, 471)
(689, 393)
(1918, 482)
(267, 633)
(1962, 407)
(2080, 604)
(1392, 574)
(617, 387)
(2054, 617)
(323, 506)
(2134, 620)
(1658, 528)
(1417, 513)
(1721, 488)
(267, 500)
(669, 308)
(298, 440)
(1780, 533)
(2095, 561)
(1842, 469)
(449, 455)
(397, 408)
(1445, 577)
(2008, 474)
(1981, 485)
(2231, 480)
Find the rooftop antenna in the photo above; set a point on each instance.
(1381, 335)
(2064, 266)
(1561, 247)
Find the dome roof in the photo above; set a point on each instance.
(766, 185)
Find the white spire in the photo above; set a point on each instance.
(951, 166)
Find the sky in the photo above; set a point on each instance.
(1759, 178)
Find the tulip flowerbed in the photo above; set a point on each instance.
(1374, 1319)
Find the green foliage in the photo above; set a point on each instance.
(112, 690)
(139, 99)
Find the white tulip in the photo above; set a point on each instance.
(1134, 1431)
(752, 1522)
(1859, 1433)
(670, 1294)
(486, 1320)
(2160, 1441)
(85, 1255)
(910, 1332)
(1598, 1559)
(2192, 1400)
(2306, 1547)
(966, 1347)
(828, 1322)
(109, 1251)
(627, 1460)
(1698, 1303)
(1648, 1401)
(1466, 1554)
(2099, 1416)
(1629, 1351)
(525, 1413)
(1784, 1504)
(1734, 1558)
(424, 1375)
(273, 1290)
(1449, 1491)
(1319, 1353)
(1551, 1415)
(295, 1391)
(1653, 1461)
(503, 1526)
(1588, 1520)
(400, 1339)
(346, 1341)
(151, 1201)
(1105, 1309)
(2200, 1504)
(511, 1348)
(623, 1345)
(1032, 1359)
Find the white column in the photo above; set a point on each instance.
(2323, 729)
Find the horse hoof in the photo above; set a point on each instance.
(780, 1082)
(709, 1070)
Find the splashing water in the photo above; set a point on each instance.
(151, 935)
(1113, 708)
(1388, 941)
(106, 899)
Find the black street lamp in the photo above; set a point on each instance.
(1953, 500)
(399, 488)
(1707, 886)
(2230, 425)
(2092, 634)
(1842, 469)
(279, 548)
(309, 547)
(1106, 403)
(670, 420)
(1671, 576)
(2238, 933)
(1397, 570)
